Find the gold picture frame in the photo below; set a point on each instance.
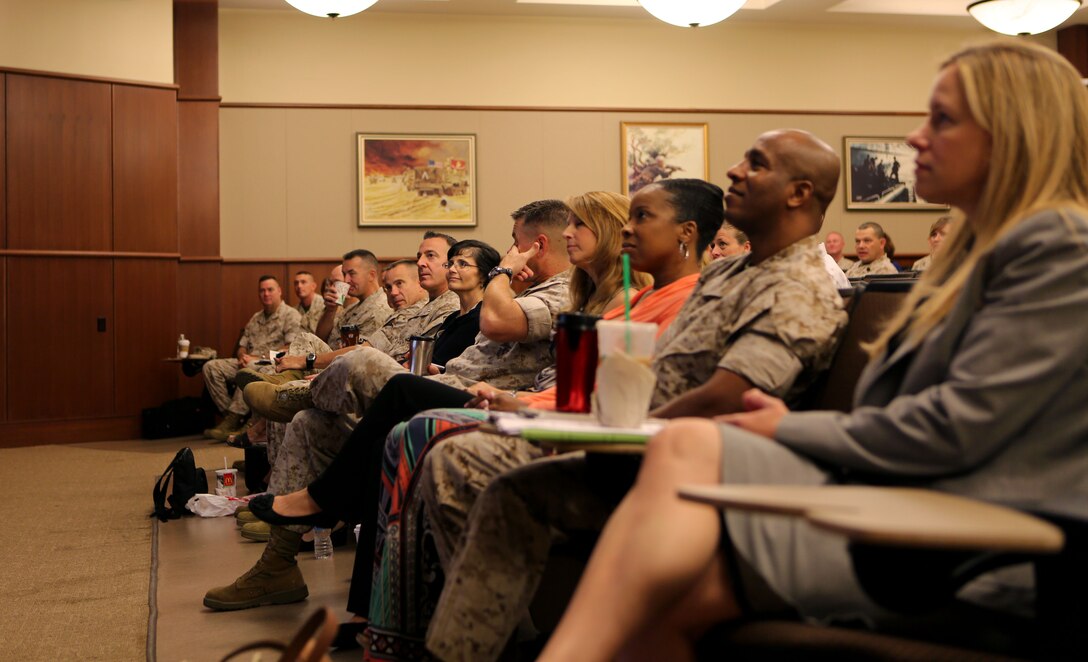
(651, 151)
(416, 180)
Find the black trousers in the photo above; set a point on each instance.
(349, 487)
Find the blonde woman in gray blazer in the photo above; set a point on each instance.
(979, 386)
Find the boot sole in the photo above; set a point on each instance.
(254, 537)
(281, 598)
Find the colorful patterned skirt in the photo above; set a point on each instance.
(408, 577)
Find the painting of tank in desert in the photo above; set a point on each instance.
(417, 180)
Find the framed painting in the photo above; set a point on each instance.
(880, 175)
(413, 180)
(655, 151)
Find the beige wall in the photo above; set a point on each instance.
(288, 175)
(127, 39)
(375, 58)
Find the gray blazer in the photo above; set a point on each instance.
(994, 402)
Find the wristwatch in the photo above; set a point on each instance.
(310, 358)
(501, 270)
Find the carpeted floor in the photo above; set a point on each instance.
(76, 549)
(67, 512)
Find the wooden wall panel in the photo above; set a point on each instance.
(58, 364)
(239, 298)
(1073, 44)
(58, 164)
(319, 269)
(3, 178)
(196, 48)
(145, 300)
(145, 170)
(199, 292)
(3, 337)
(198, 178)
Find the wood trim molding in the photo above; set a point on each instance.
(290, 260)
(33, 433)
(576, 109)
(92, 79)
(94, 254)
(200, 258)
(183, 97)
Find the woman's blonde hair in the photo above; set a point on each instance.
(604, 214)
(1032, 103)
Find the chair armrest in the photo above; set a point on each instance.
(893, 516)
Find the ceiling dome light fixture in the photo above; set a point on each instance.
(692, 13)
(1021, 17)
(331, 8)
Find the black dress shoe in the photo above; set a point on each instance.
(345, 635)
(261, 507)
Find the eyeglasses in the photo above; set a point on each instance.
(460, 264)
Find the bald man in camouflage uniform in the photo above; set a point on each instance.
(769, 319)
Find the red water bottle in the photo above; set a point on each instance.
(575, 361)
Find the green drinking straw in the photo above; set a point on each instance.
(627, 299)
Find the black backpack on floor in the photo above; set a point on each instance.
(188, 481)
(177, 418)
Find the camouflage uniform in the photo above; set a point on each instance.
(262, 334)
(369, 313)
(881, 265)
(344, 389)
(921, 264)
(845, 263)
(775, 324)
(298, 452)
(311, 317)
(421, 319)
(307, 343)
(314, 436)
(351, 382)
(514, 365)
(303, 344)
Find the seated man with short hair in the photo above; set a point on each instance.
(872, 245)
(426, 286)
(310, 304)
(369, 312)
(272, 328)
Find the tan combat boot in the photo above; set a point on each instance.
(257, 531)
(274, 580)
(231, 424)
(278, 402)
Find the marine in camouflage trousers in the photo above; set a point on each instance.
(494, 560)
(300, 450)
(219, 376)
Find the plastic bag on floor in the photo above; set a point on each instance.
(213, 505)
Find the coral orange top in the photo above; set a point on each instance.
(661, 308)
